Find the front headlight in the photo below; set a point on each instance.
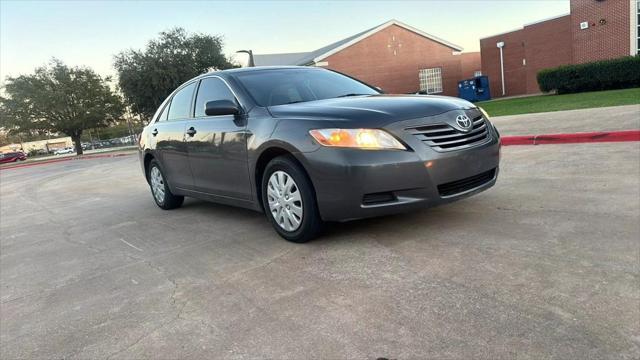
(367, 139)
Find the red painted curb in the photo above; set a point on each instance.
(82, 157)
(600, 136)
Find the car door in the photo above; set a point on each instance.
(169, 135)
(217, 145)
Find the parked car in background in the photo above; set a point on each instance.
(12, 157)
(307, 145)
(67, 150)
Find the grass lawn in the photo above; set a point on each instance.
(543, 103)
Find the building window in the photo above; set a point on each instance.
(477, 73)
(430, 80)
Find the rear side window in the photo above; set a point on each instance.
(211, 89)
(181, 103)
(163, 115)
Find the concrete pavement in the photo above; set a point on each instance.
(571, 121)
(544, 265)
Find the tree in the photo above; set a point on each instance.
(147, 77)
(57, 98)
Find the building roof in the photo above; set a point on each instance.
(278, 59)
(525, 25)
(312, 57)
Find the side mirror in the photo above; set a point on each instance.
(221, 107)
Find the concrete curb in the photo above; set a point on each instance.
(599, 136)
(81, 157)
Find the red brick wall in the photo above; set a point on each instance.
(557, 42)
(514, 71)
(547, 45)
(469, 64)
(373, 60)
(600, 42)
(526, 52)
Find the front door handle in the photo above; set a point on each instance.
(191, 131)
(154, 132)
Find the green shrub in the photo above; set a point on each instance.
(612, 74)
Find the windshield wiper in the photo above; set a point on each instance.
(354, 94)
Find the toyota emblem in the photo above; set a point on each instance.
(464, 122)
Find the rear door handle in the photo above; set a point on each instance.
(191, 131)
(154, 132)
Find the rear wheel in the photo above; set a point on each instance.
(289, 200)
(162, 195)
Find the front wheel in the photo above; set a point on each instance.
(289, 200)
(162, 195)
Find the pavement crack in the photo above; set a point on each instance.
(172, 301)
(172, 297)
(142, 337)
(267, 263)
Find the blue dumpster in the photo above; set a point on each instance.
(474, 89)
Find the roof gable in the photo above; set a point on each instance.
(318, 55)
(330, 50)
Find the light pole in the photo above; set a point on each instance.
(500, 45)
(251, 63)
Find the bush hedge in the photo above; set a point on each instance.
(612, 74)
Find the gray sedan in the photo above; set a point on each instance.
(308, 145)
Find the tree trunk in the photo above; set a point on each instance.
(77, 143)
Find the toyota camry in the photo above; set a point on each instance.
(307, 145)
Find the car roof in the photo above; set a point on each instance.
(254, 69)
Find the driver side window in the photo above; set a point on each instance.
(211, 89)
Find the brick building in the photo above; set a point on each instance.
(593, 30)
(393, 56)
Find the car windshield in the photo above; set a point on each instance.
(288, 86)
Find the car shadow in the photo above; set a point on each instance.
(389, 228)
(200, 206)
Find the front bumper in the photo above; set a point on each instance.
(352, 184)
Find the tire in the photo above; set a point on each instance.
(160, 191)
(285, 202)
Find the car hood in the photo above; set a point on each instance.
(371, 111)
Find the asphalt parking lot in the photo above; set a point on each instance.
(544, 265)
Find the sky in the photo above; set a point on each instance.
(89, 32)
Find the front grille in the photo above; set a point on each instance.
(462, 185)
(444, 137)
